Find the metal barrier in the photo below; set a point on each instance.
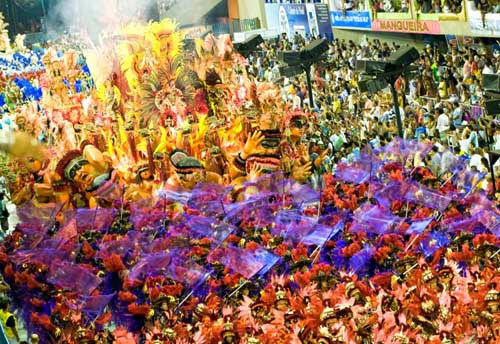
(251, 24)
(221, 28)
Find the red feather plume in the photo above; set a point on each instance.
(136, 309)
(113, 263)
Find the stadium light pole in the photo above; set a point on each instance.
(296, 62)
(307, 69)
(379, 74)
(491, 84)
(494, 156)
(395, 99)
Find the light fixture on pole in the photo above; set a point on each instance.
(377, 75)
(494, 156)
(296, 62)
(249, 45)
(491, 84)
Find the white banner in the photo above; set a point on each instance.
(490, 26)
(312, 19)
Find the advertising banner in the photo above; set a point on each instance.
(323, 18)
(289, 18)
(293, 18)
(273, 16)
(409, 26)
(306, 19)
(312, 19)
(351, 19)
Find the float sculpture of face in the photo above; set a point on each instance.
(218, 94)
(266, 158)
(33, 165)
(86, 169)
(188, 170)
(78, 172)
(296, 124)
(21, 122)
(143, 174)
(262, 149)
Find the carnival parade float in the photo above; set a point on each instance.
(163, 197)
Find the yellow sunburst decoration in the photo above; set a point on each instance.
(165, 41)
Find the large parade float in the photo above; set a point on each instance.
(163, 197)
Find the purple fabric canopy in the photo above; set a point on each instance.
(173, 194)
(36, 218)
(186, 271)
(303, 194)
(98, 219)
(259, 205)
(352, 174)
(93, 306)
(292, 225)
(418, 227)
(69, 230)
(463, 224)
(363, 169)
(194, 226)
(277, 185)
(429, 198)
(322, 233)
(150, 265)
(74, 277)
(208, 198)
(401, 150)
(39, 255)
(119, 247)
(489, 218)
(243, 261)
(467, 179)
(374, 219)
(267, 258)
(412, 192)
(432, 242)
(394, 191)
(360, 259)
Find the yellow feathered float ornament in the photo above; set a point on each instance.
(151, 59)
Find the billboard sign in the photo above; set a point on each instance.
(323, 20)
(351, 19)
(489, 25)
(408, 26)
(305, 19)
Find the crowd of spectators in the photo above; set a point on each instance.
(391, 5)
(442, 103)
(439, 6)
(433, 6)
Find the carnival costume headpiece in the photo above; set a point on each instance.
(183, 163)
(71, 162)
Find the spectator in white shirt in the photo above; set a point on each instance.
(496, 139)
(447, 160)
(458, 116)
(487, 68)
(467, 69)
(475, 159)
(296, 101)
(443, 124)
